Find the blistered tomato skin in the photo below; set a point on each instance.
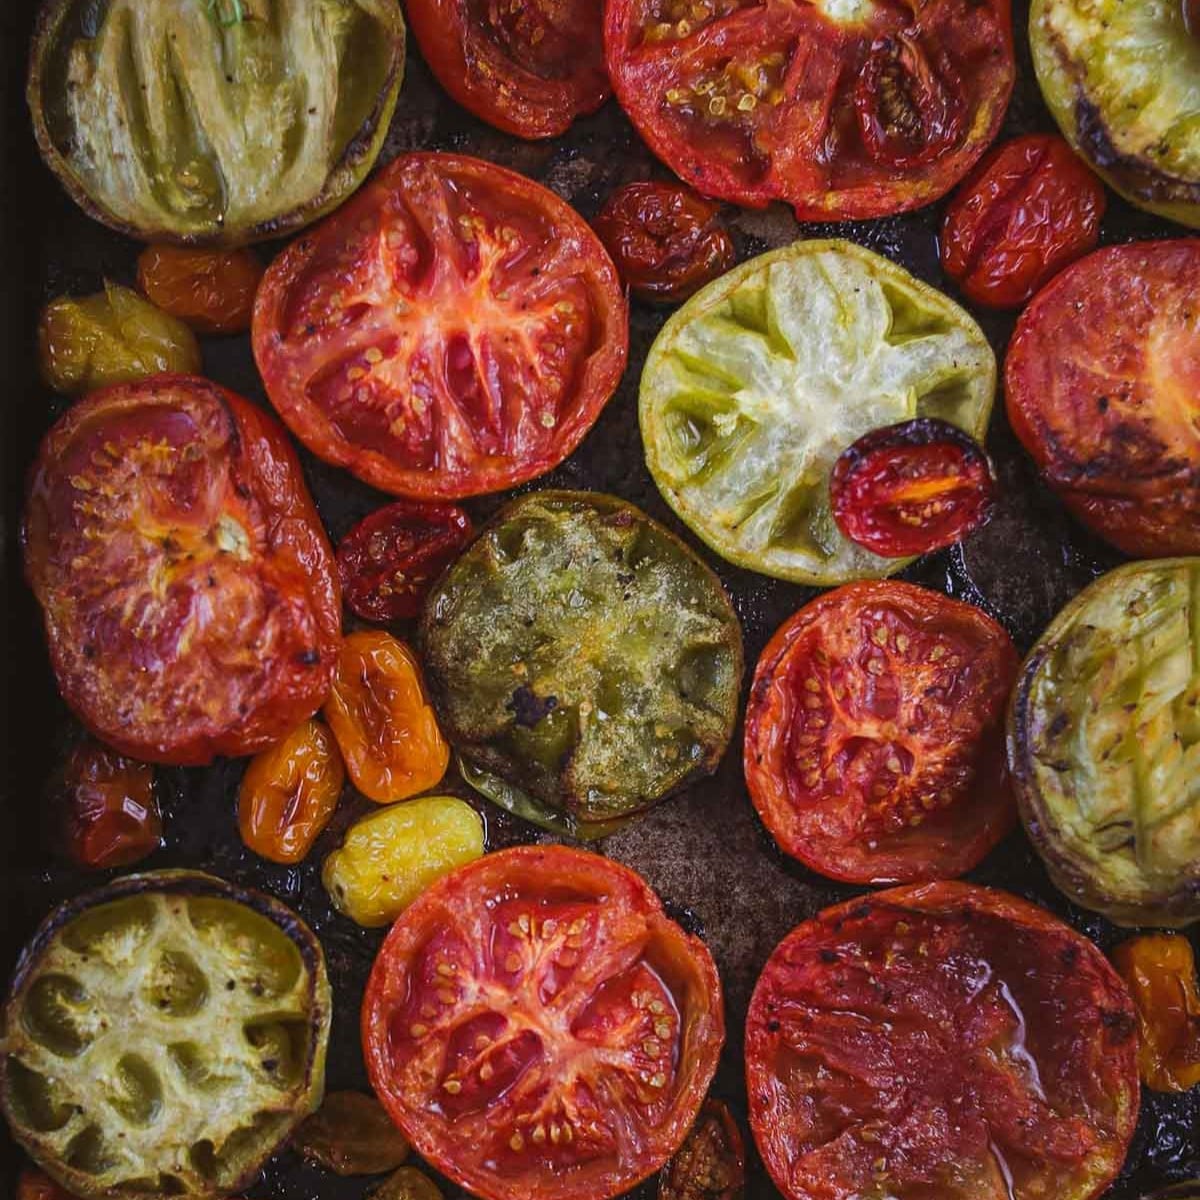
(211, 291)
(666, 241)
(711, 1163)
(1029, 209)
(289, 793)
(190, 598)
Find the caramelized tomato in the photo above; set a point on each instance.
(540, 1028)
(33, 1184)
(946, 1040)
(210, 290)
(380, 714)
(875, 734)
(189, 594)
(1029, 208)
(711, 1163)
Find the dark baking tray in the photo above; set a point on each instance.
(704, 851)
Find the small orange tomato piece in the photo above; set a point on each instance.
(1160, 971)
(210, 290)
(37, 1185)
(289, 793)
(382, 719)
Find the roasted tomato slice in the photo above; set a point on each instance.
(911, 488)
(529, 68)
(455, 329)
(945, 1040)
(389, 559)
(875, 734)
(538, 1026)
(844, 111)
(1102, 377)
(711, 1164)
(212, 291)
(191, 602)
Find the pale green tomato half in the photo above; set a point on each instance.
(757, 384)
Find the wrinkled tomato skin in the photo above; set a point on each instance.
(190, 597)
(1111, 425)
(388, 561)
(874, 748)
(891, 1040)
(538, 1027)
(210, 290)
(1028, 209)
(454, 330)
(711, 1163)
(911, 488)
(527, 68)
(666, 241)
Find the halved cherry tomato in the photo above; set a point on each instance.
(843, 110)
(1101, 382)
(539, 1027)
(290, 792)
(1160, 972)
(109, 814)
(33, 1184)
(875, 734)
(911, 488)
(455, 329)
(711, 1163)
(945, 1040)
(667, 241)
(1027, 210)
(190, 597)
(528, 67)
(389, 559)
(381, 716)
(210, 290)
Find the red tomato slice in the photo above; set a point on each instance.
(943, 1041)
(842, 109)
(1102, 379)
(539, 1028)
(529, 68)
(454, 329)
(874, 734)
(190, 597)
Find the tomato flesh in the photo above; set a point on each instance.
(210, 290)
(711, 1164)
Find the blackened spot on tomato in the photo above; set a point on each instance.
(1102, 403)
(828, 956)
(1069, 956)
(529, 708)
(773, 1027)
(89, 651)
(1121, 1025)
(308, 658)
(860, 912)
(687, 918)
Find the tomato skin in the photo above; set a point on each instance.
(665, 240)
(874, 747)
(711, 1163)
(388, 561)
(210, 290)
(889, 1041)
(1028, 209)
(468, 994)
(33, 1184)
(167, 529)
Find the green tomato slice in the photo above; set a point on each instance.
(164, 1036)
(757, 384)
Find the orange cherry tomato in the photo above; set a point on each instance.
(210, 290)
(1160, 971)
(289, 793)
(37, 1185)
(380, 714)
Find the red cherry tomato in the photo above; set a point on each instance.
(667, 242)
(210, 290)
(454, 329)
(946, 1040)
(389, 559)
(911, 488)
(1029, 208)
(875, 734)
(540, 1029)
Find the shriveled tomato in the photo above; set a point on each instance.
(381, 716)
(1160, 972)
(911, 488)
(529, 68)
(538, 1026)
(33, 1184)
(945, 1040)
(666, 240)
(711, 1163)
(455, 329)
(407, 1184)
(389, 559)
(875, 734)
(1027, 210)
(210, 290)
(843, 110)
(189, 594)
(351, 1134)
(1101, 379)
(290, 792)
